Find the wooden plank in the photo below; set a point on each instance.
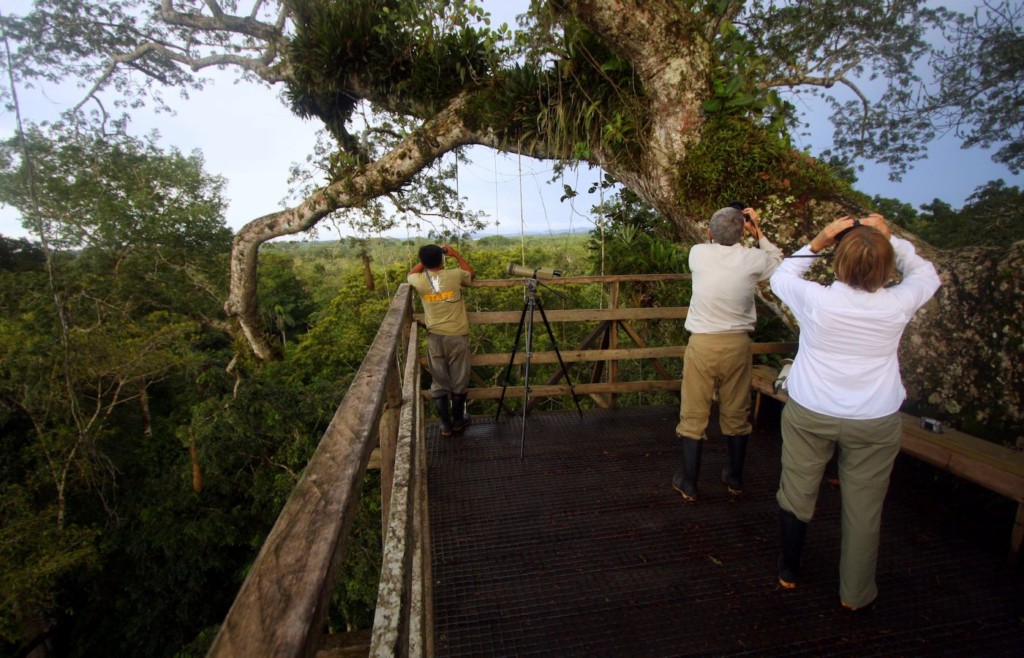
(593, 355)
(551, 390)
(762, 380)
(613, 344)
(577, 280)
(419, 633)
(597, 373)
(282, 605)
(662, 372)
(969, 446)
(994, 467)
(426, 556)
(774, 348)
(389, 426)
(577, 315)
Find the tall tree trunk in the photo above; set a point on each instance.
(367, 272)
(147, 420)
(197, 472)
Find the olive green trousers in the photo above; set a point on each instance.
(867, 450)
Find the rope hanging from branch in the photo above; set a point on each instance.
(522, 221)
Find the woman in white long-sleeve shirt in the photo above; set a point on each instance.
(845, 389)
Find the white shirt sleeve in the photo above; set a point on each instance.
(772, 257)
(788, 282)
(920, 280)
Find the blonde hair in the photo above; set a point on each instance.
(864, 259)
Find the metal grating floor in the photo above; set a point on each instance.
(582, 548)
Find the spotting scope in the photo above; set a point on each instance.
(532, 272)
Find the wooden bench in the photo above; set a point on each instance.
(982, 462)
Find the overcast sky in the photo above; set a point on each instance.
(247, 135)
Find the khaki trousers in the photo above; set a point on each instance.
(867, 450)
(449, 364)
(716, 361)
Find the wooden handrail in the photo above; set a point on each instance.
(282, 605)
(572, 280)
(402, 617)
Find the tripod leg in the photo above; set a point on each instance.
(554, 343)
(526, 388)
(512, 358)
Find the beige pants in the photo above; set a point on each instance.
(867, 450)
(449, 364)
(722, 362)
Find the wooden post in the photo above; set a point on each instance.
(613, 343)
(394, 629)
(1016, 536)
(389, 440)
(421, 618)
(389, 421)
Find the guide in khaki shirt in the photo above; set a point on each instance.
(441, 293)
(444, 311)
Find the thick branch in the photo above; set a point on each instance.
(220, 21)
(826, 80)
(436, 137)
(258, 66)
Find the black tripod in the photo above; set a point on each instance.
(530, 302)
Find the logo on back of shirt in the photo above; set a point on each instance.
(439, 296)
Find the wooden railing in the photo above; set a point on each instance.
(281, 607)
(601, 346)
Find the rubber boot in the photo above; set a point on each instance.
(441, 404)
(793, 531)
(685, 481)
(460, 419)
(732, 475)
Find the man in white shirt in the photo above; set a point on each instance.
(718, 354)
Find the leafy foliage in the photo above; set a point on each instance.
(81, 190)
(980, 74)
(634, 239)
(389, 46)
(805, 46)
(991, 216)
(737, 159)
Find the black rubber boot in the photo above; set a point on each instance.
(793, 531)
(441, 404)
(685, 481)
(460, 419)
(732, 475)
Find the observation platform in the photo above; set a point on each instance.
(582, 548)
